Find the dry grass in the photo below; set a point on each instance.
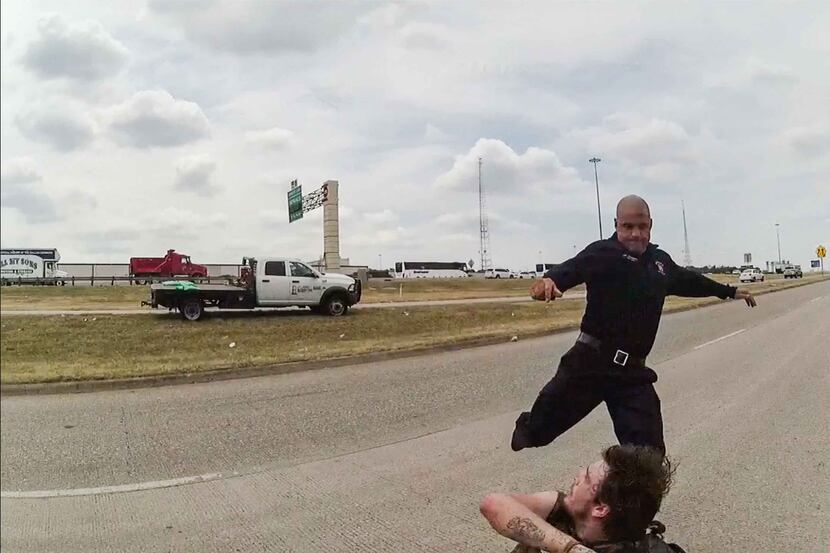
(48, 349)
(59, 348)
(377, 291)
(47, 298)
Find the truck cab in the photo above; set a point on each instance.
(286, 282)
(793, 271)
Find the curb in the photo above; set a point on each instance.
(216, 375)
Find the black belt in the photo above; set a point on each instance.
(620, 357)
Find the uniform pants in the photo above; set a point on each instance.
(585, 378)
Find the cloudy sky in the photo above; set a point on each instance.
(131, 127)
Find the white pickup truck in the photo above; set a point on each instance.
(263, 282)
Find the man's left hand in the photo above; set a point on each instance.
(746, 295)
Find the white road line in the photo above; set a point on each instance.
(140, 486)
(710, 342)
(816, 299)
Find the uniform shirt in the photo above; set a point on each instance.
(626, 292)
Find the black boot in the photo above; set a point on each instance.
(521, 439)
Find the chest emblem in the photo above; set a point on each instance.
(660, 268)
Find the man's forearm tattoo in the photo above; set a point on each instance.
(523, 530)
(581, 549)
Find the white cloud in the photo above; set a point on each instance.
(154, 118)
(194, 174)
(652, 148)
(642, 141)
(808, 140)
(387, 216)
(434, 134)
(274, 138)
(764, 72)
(269, 27)
(424, 36)
(61, 127)
(393, 100)
(19, 190)
(76, 51)
(536, 170)
(19, 171)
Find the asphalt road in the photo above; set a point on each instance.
(396, 455)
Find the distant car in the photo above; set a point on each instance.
(527, 274)
(736, 272)
(752, 275)
(793, 271)
(498, 273)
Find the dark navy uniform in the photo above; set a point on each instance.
(625, 300)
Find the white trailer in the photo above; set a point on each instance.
(31, 265)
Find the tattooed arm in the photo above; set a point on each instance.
(541, 503)
(514, 520)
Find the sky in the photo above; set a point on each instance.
(128, 128)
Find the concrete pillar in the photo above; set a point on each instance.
(331, 228)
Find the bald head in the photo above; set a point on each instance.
(633, 224)
(633, 204)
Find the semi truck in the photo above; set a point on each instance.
(31, 265)
(263, 282)
(172, 264)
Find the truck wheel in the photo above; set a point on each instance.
(192, 309)
(335, 306)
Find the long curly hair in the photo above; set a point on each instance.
(637, 480)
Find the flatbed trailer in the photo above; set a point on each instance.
(269, 282)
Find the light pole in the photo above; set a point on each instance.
(778, 236)
(596, 160)
(380, 262)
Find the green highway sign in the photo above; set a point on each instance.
(295, 203)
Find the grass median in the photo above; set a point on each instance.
(84, 347)
(49, 349)
(48, 298)
(105, 297)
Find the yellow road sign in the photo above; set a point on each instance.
(821, 251)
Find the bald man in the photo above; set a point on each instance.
(627, 280)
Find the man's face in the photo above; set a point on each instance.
(634, 228)
(582, 495)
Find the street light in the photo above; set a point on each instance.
(380, 262)
(778, 236)
(596, 160)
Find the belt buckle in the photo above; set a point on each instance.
(621, 358)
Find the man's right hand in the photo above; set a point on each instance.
(545, 290)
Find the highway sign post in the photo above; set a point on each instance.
(821, 251)
(295, 202)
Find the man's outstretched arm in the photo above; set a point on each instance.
(512, 519)
(690, 284)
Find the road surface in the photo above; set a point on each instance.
(395, 455)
